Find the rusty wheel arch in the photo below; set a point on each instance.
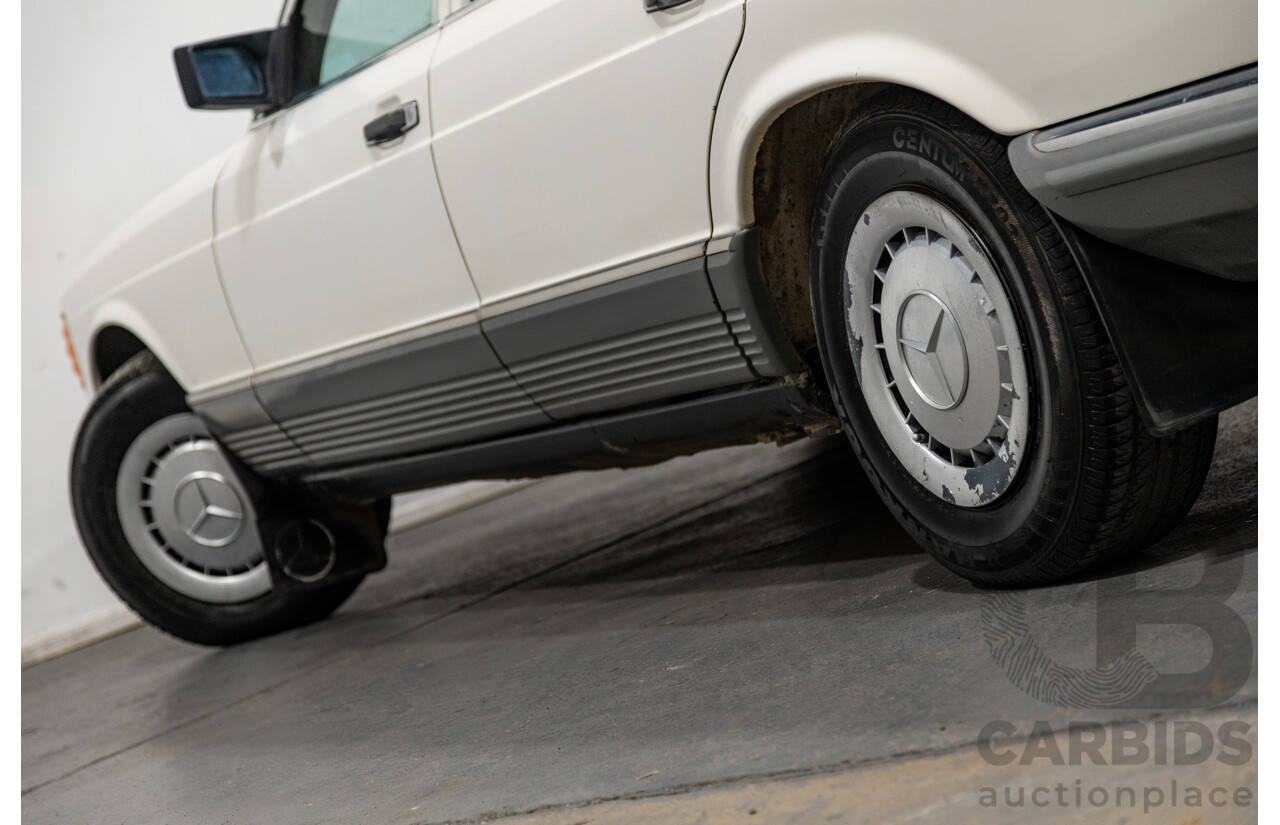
(784, 178)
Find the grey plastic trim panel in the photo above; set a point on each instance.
(242, 424)
(1178, 183)
(572, 286)
(1184, 134)
(448, 356)
(740, 289)
(652, 337)
(219, 391)
(632, 438)
(236, 411)
(380, 344)
(720, 243)
(1202, 96)
(1206, 135)
(675, 359)
(415, 396)
(433, 328)
(446, 389)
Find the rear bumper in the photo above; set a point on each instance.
(1174, 176)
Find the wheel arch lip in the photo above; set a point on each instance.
(114, 315)
(86, 331)
(118, 312)
(1009, 79)
(749, 105)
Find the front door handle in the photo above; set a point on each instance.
(392, 125)
(662, 5)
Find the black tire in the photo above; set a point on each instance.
(135, 397)
(1176, 474)
(1092, 483)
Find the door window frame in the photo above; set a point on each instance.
(287, 11)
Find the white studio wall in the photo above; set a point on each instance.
(104, 129)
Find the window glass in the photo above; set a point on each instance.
(336, 36)
(362, 29)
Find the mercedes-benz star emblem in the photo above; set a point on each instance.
(209, 509)
(943, 385)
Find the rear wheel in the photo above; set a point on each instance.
(173, 528)
(969, 364)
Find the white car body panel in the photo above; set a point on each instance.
(1013, 67)
(570, 135)
(155, 276)
(570, 138)
(321, 243)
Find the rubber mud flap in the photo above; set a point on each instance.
(1188, 341)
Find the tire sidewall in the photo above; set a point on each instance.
(141, 394)
(881, 153)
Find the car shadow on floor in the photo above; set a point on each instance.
(795, 570)
(815, 526)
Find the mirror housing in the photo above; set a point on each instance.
(247, 71)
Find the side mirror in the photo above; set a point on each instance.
(248, 71)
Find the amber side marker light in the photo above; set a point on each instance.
(71, 351)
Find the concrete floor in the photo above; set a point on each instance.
(744, 635)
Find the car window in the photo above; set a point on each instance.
(338, 36)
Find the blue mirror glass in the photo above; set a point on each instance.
(227, 71)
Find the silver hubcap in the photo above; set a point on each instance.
(186, 516)
(936, 348)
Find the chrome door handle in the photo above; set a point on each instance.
(392, 125)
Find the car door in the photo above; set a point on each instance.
(571, 140)
(337, 255)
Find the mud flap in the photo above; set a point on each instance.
(310, 541)
(1187, 341)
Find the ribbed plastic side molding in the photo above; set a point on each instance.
(681, 357)
(395, 424)
(671, 333)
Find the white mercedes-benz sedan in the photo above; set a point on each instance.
(1008, 249)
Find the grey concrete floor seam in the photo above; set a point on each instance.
(631, 535)
(829, 769)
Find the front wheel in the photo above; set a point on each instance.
(969, 364)
(172, 527)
